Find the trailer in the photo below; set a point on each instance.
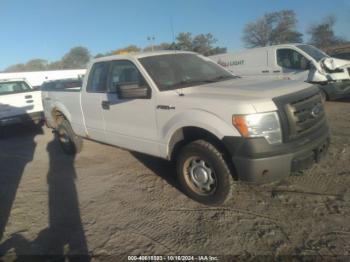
(36, 79)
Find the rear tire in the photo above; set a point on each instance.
(71, 143)
(203, 173)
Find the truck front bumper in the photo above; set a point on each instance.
(34, 118)
(256, 161)
(337, 90)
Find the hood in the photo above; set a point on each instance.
(247, 87)
(334, 63)
(330, 69)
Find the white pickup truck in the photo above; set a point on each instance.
(19, 103)
(184, 107)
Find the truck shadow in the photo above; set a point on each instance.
(64, 239)
(14, 161)
(162, 168)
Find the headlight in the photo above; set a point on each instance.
(259, 125)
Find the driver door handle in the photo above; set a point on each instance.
(105, 105)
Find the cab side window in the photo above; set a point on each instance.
(97, 82)
(124, 72)
(291, 59)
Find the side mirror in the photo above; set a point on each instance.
(133, 91)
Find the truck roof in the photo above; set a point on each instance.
(140, 55)
(12, 80)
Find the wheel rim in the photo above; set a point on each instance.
(200, 176)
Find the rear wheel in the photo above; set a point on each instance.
(203, 173)
(71, 143)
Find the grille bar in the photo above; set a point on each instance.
(300, 113)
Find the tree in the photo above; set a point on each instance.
(184, 41)
(15, 68)
(32, 65)
(322, 34)
(56, 65)
(76, 58)
(162, 46)
(125, 50)
(36, 65)
(273, 28)
(202, 43)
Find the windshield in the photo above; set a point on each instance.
(13, 87)
(174, 71)
(312, 51)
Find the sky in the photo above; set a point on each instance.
(47, 29)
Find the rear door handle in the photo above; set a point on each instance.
(265, 71)
(28, 96)
(105, 105)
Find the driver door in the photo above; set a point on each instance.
(291, 62)
(129, 123)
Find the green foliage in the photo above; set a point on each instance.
(76, 58)
(31, 65)
(273, 28)
(162, 46)
(79, 56)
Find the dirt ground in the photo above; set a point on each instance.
(110, 203)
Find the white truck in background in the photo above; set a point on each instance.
(37, 78)
(19, 103)
(292, 61)
(184, 107)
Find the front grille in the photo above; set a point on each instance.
(300, 113)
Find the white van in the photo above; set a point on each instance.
(292, 61)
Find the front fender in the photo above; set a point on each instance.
(200, 119)
(61, 108)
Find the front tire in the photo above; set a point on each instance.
(204, 174)
(71, 143)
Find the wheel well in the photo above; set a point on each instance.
(187, 135)
(57, 117)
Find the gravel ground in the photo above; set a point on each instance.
(110, 203)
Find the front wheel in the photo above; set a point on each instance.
(69, 141)
(203, 173)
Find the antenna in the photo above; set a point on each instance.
(172, 31)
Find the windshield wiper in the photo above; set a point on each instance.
(221, 78)
(190, 82)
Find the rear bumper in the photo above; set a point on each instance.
(258, 162)
(34, 118)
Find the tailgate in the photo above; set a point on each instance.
(20, 103)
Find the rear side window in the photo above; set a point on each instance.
(14, 87)
(291, 59)
(97, 82)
